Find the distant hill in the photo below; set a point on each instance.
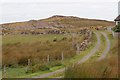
(32, 24)
(76, 21)
(57, 22)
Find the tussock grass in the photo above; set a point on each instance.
(37, 52)
(107, 68)
(12, 39)
(102, 47)
(17, 54)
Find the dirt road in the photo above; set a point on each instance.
(93, 51)
(51, 73)
(107, 48)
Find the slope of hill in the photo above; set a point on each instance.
(62, 23)
(76, 21)
(32, 24)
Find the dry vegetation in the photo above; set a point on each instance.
(55, 22)
(70, 21)
(107, 68)
(17, 50)
(17, 54)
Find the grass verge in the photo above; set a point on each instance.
(13, 72)
(102, 47)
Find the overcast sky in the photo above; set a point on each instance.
(23, 10)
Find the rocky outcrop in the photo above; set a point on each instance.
(84, 44)
(56, 21)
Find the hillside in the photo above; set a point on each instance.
(76, 21)
(32, 24)
(59, 47)
(43, 26)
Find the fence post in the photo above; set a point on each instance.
(78, 49)
(4, 71)
(113, 34)
(62, 56)
(28, 66)
(28, 62)
(73, 40)
(48, 58)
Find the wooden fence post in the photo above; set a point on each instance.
(113, 33)
(28, 62)
(28, 66)
(48, 58)
(78, 49)
(4, 72)
(73, 42)
(62, 56)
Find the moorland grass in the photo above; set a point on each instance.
(12, 39)
(79, 56)
(102, 47)
(106, 68)
(17, 54)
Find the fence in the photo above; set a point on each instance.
(116, 34)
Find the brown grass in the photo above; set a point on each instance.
(107, 68)
(19, 53)
(77, 22)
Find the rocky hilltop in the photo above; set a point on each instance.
(55, 22)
